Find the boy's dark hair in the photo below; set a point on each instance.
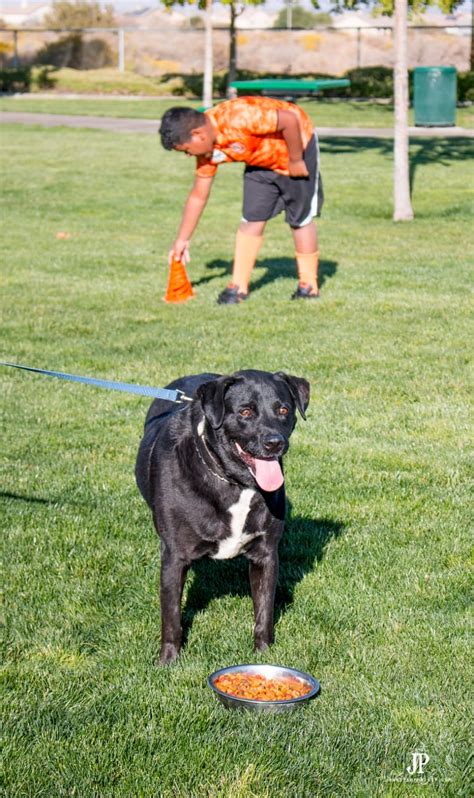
(177, 124)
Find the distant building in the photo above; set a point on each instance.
(25, 16)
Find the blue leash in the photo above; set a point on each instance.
(144, 390)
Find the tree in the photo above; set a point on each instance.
(402, 202)
(472, 37)
(73, 50)
(236, 8)
(80, 14)
(387, 6)
(416, 6)
(302, 18)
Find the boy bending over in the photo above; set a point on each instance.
(277, 142)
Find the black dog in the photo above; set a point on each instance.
(211, 472)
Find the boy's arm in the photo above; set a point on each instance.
(194, 206)
(288, 124)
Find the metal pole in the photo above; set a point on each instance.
(121, 50)
(359, 48)
(16, 60)
(289, 14)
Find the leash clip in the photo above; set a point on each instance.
(182, 397)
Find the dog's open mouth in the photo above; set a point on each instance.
(267, 473)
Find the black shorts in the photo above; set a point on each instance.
(267, 193)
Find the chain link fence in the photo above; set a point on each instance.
(161, 51)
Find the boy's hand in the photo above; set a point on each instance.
(297, 169)
(179, 251)
(288, 125)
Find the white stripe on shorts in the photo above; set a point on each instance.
(314, 202)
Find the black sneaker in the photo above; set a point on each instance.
(231, 296)
(304, 291)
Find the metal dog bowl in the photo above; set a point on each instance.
(271, 672)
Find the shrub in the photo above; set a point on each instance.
(15, 79)
(196, 22)
(366, 83)
(466, 86)
(75, 52)
(374, 82)
(193, 84)
(42, 77)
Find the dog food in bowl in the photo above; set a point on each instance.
(263, 687)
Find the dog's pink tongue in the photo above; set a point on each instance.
(268, 474)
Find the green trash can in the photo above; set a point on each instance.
(434, 96)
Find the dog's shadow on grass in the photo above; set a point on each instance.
(302, 547)
(273, 269)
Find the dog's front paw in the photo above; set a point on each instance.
(260, 643)
(168, 654)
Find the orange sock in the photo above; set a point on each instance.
(245, 255)
(307, 263)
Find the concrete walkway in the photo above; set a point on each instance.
(115, 124)
(121, 125)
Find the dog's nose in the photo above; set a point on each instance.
(274, 443)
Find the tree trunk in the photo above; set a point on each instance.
(232, 50)
(472, 37)
(402, 203)
(208, 64)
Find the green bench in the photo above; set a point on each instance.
(288, 87)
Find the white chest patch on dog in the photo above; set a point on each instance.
(233, 545)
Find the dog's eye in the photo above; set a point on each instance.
(283, 411)
(246, 412)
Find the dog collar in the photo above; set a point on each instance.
(218, 476)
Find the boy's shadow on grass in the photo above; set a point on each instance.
(274, 269)
(302, 547)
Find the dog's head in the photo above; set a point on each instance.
(252, 415)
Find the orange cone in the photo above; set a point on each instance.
(179, 288)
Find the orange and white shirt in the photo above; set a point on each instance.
(246, 130)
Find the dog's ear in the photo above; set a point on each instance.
(299, 389)
(211, 395)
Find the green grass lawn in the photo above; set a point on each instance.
(374, 586)
(324, 113)
(106, 80)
